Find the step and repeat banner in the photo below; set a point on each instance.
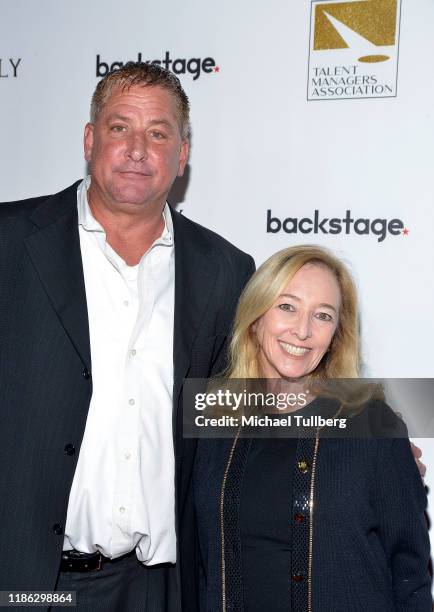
(312, 122)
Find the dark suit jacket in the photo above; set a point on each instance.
(46, 374)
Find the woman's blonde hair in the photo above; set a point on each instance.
(261, 292)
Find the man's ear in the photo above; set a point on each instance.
(88, 141)
(183, 157)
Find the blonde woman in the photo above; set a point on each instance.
(308, 524)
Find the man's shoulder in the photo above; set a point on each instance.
(208, 239)
(25, 207)
(41, 209)
(15, 220)
(21, 208)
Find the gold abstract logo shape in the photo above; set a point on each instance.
(373, 20)
(371, 59)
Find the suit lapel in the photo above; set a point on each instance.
(194, 281)
(54, 249)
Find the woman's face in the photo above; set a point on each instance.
(297, 330)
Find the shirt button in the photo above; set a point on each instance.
(122, 510)
(127, 455)
(69, 449)
(131, 402)
(133, 352)
(85, 373)
(57, 529)
(126, 303)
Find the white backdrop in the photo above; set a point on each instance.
(258, 143)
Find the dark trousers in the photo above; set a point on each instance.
(123, 585)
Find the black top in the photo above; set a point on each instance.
(266, 511)
(265, 525)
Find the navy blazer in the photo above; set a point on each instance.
(46, 374)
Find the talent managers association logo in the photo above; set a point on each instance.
(353, 49)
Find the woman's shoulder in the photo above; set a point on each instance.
(379, 419)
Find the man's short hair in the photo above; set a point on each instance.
(145, 75)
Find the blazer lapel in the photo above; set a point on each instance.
(194, 281)
(54, 249)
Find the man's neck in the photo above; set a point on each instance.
(129, 232)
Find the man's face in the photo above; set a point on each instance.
(135, 148)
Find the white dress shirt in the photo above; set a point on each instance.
(122, 497)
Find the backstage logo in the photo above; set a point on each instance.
(354, 49)
(363, 226)
(194, 66)
(9, 67)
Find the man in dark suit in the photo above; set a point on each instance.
(108, 299)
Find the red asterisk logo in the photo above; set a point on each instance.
(216, 68)
(405, 232)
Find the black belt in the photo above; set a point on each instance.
(75, 561)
